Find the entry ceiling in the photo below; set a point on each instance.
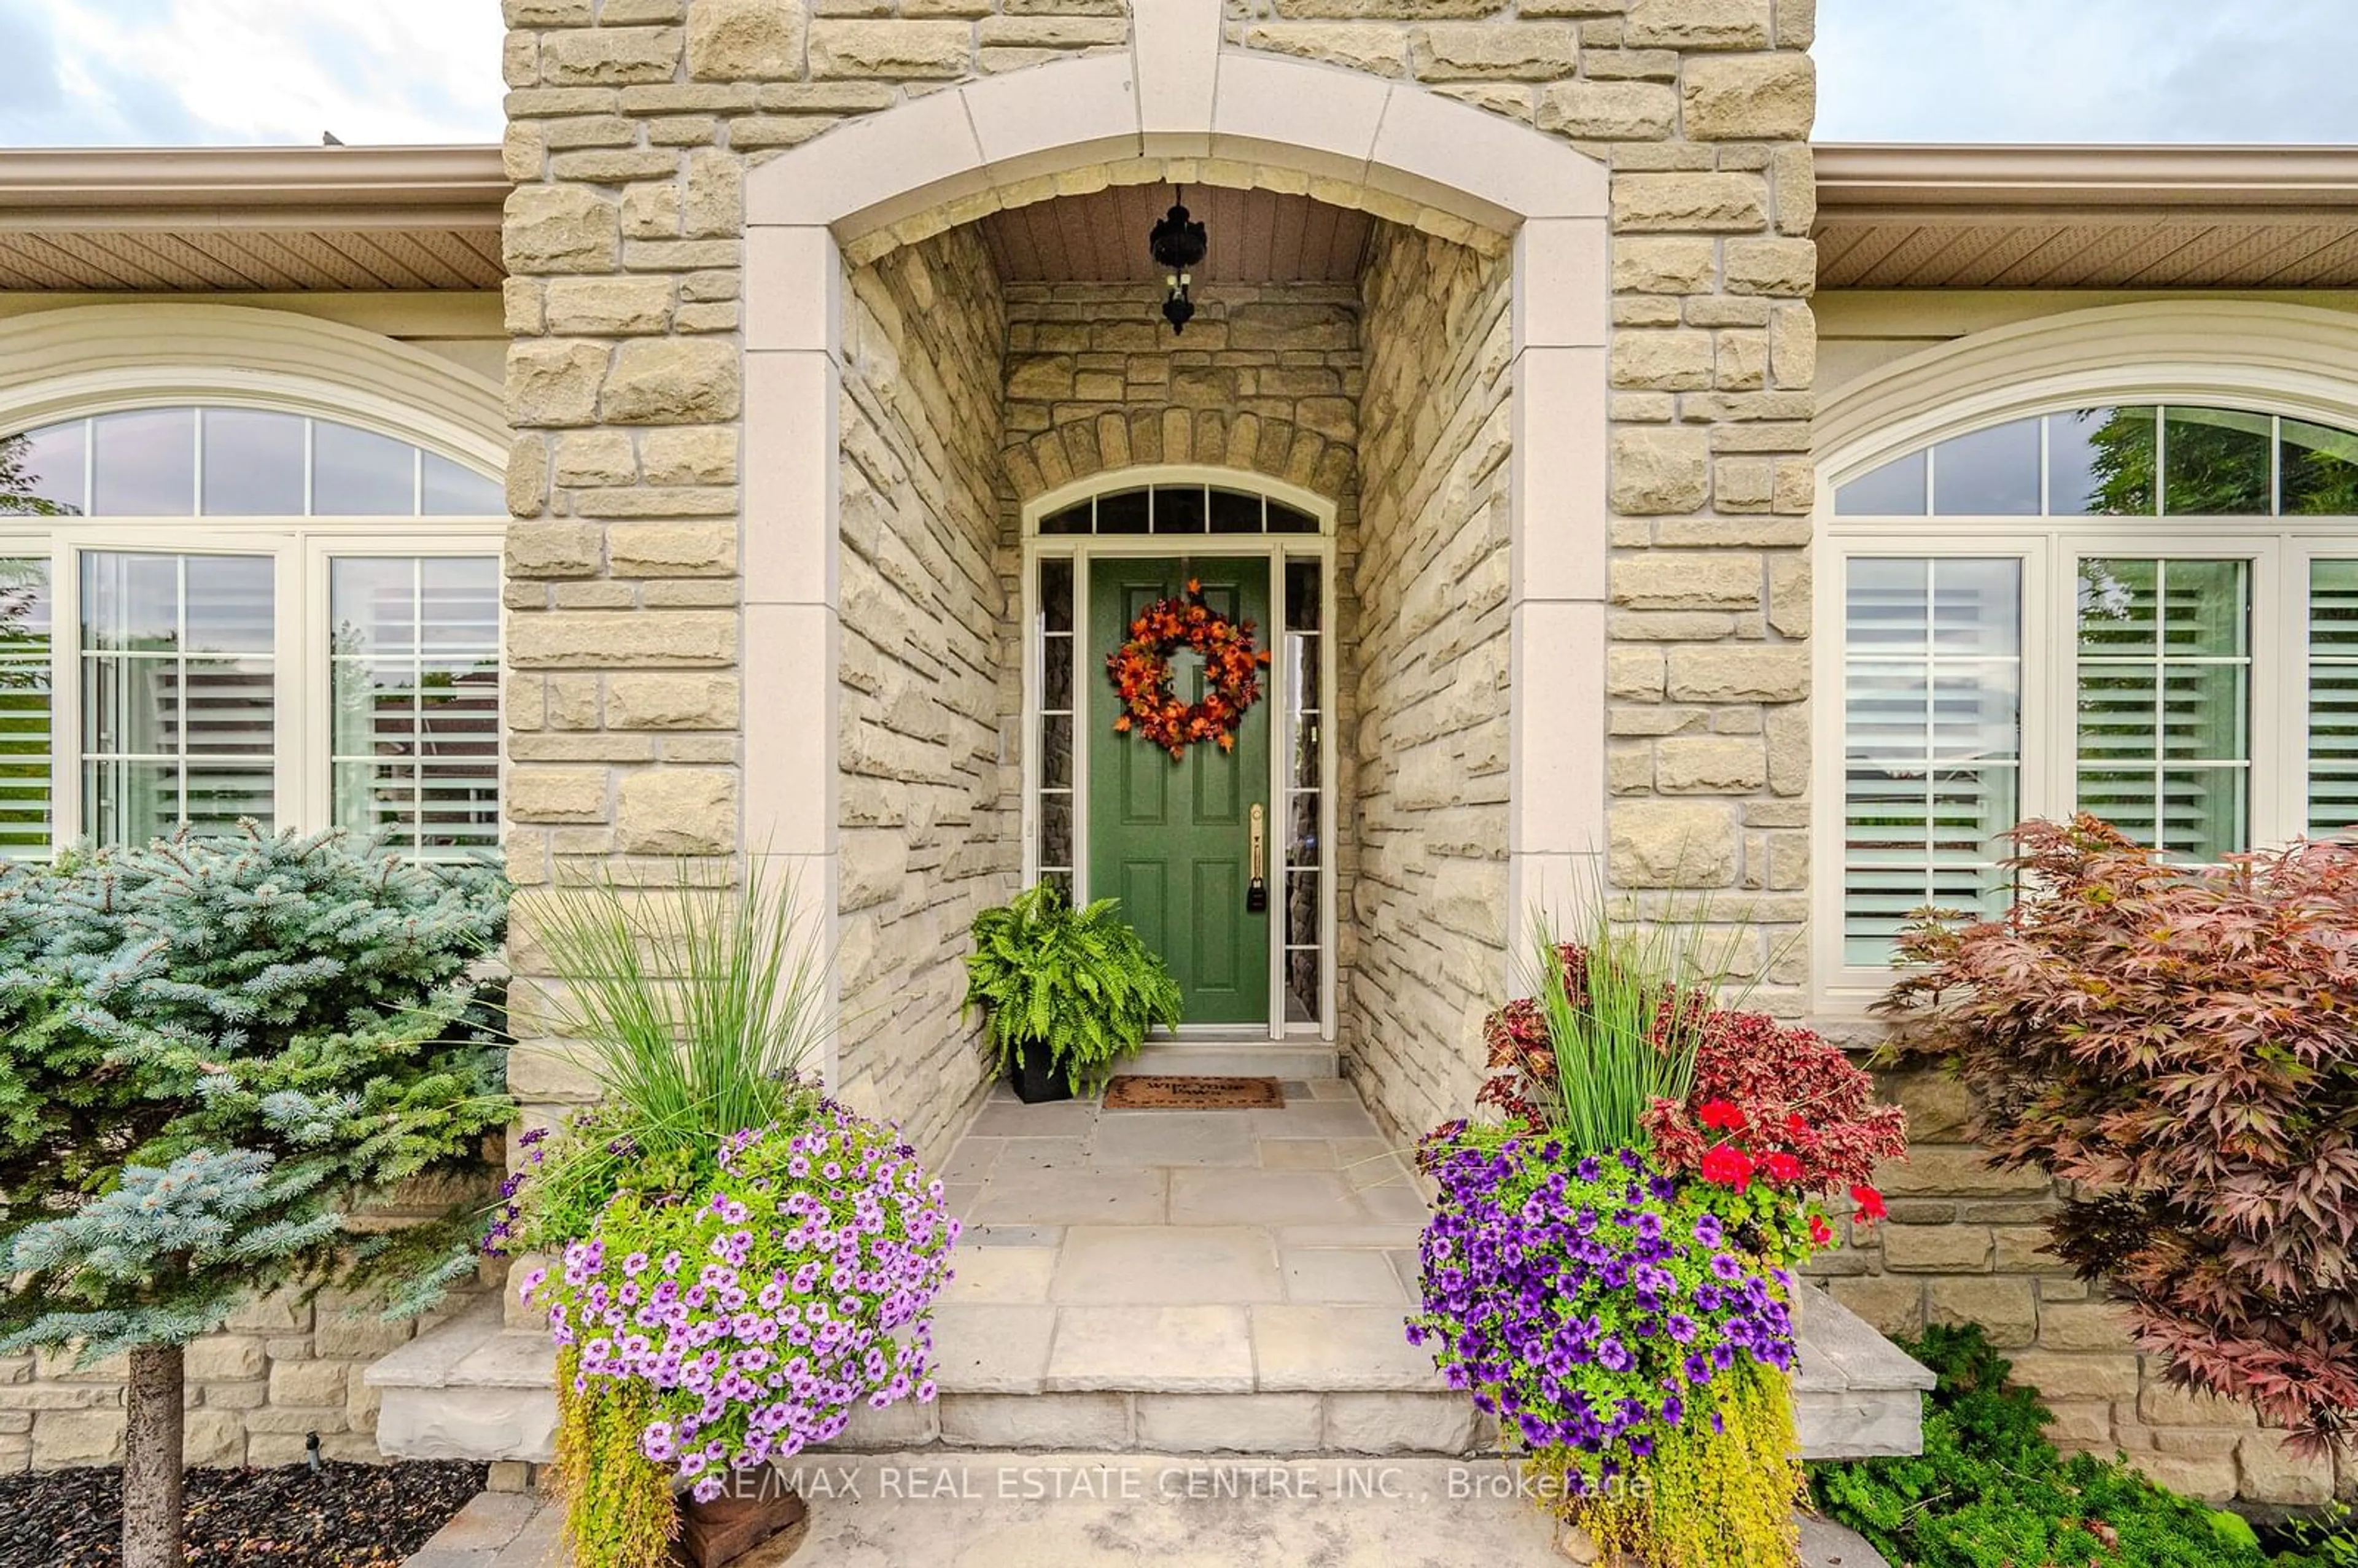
(1257, 236)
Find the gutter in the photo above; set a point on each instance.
(250, 188)
(2042, 184)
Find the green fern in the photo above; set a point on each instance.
(1079, 983)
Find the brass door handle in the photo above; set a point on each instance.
(1257, 890)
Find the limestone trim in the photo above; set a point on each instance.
(1175, 92)
(2297, 359)
(952, 156)
(99, 359)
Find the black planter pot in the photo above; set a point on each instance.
(1035, 1075)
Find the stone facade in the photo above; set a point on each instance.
(1429, 910)
(635, 653)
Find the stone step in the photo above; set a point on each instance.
(1855, 1394)
(1273, 1378)
(1269, 1379)
(1294, 1060)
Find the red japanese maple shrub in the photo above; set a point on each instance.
(2181, 1043)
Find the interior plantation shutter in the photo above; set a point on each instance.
(2332, 696)
(2165, 701)
(179, 692)
(414, 644)
(1932, 694)
(28, 720)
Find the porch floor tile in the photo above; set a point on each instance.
(1187, 1251)
(1157, 1265)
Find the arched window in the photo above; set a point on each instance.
(209, 612)
(2145, 610)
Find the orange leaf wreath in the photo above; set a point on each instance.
(1140, 672)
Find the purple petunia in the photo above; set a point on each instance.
(737, 1285)
(1585, 1300)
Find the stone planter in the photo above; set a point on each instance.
(758, 1528)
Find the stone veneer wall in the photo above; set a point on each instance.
(1429, 909)
(1701, 110)
(1266, 380)
(630, 123)
(1965, 1243)
(931, 679)
(277, 1371)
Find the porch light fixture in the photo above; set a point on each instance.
(1176, 245)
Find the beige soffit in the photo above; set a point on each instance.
(1257, 236)
(2082, 216)
(210, 219)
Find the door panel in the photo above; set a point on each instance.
(1170, 838)
(1144, 893)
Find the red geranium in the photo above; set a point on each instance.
(1796, 1094)
(1870, 1205)
(1723, 1115)
(1821, 1232)
(1780, 1167)
(1729, 1166)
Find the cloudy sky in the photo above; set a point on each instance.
(163, 72)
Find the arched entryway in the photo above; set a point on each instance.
(1461, 454)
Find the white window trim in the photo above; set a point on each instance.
(2290, 360)
(2279, 550)
(1080, 548)
(302, 785)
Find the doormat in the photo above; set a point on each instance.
(1141, 1092)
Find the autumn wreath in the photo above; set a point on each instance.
(1141, 670)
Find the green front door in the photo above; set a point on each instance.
(1172, 839)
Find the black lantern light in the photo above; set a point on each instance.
(1177, 245)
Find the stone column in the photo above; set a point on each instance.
(631, 127)
(1714, 352)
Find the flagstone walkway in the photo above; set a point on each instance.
(1182, 1251)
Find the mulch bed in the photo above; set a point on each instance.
(339, 1516)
